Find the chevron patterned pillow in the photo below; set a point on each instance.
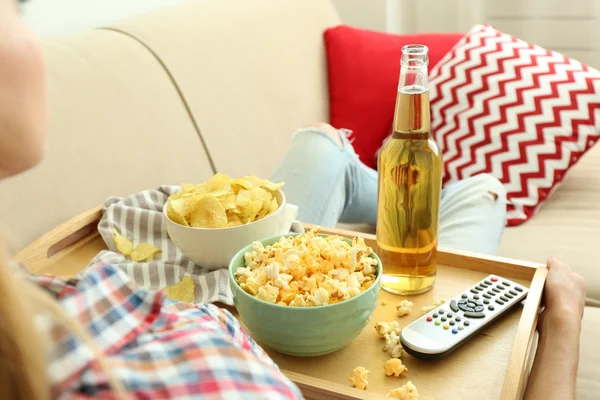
(502, 106)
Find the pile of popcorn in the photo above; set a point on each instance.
(307, 270)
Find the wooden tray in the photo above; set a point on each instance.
(493, 365)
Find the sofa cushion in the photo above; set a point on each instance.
(523, 114)
(588, 385)
(251, 72)
(117, 126)
(567, 226)
(364, 68)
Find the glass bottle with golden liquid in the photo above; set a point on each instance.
(410, 184)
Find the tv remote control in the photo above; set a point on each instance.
(442, 330)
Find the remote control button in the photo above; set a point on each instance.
(435, 315)
(437, 322)
(443, 319)
(474, 315)
(452, 322)
(479, 287)
(486, 301)
(441, 312)
(500, 302)
(465, 296)
(491, 308)
(464, 307)
(457, 319)
(518, 289)
(479, 309)
(446, 326)
(505, 283)
(491, 294)
(460, 328)
(453, 306)
(455, 331)
(487, 296)
(501, 287)
(449, 315)
(503, 298)
(467, 323)
(494, 279)
(474, 290)
(510, 296)
(496, 290)
(512, 292)
(476, 297)
(487, 282)
(429, 319)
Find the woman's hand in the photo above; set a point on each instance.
(564, 298)
(559, 327)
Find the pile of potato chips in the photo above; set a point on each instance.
(223, 202)
(142, 252)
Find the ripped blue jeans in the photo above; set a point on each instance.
(330, 184)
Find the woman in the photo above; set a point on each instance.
(103, 337)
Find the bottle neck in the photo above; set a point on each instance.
(411, 117)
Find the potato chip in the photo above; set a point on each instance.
(242, 183)
(209, 213)
(144, 252)
(184, 205)
(187, 187)
(123, 245)
(241, 200)
(250, 210)
(182, 290)
(273, 206)
(229, 202)
(175, 217)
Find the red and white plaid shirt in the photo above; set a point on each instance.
(157, 348)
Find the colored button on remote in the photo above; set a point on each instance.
(446, 326)
(454, 330)
(437, 322)
(494, 279)
(429, 319)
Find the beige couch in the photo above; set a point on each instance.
(175, 95)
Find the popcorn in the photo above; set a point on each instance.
(406, 392)
(268, 293)
(392, 345)
(404, 308)
(384, 303)
(394, 366)
(307, 270)
(435, 305)
(384, 328)
(358, 378)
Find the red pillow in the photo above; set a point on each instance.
(502, 106)
(364, 67)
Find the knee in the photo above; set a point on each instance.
(324, 130)
(491, 186)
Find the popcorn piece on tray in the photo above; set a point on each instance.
(392, 345)
(358, 378)
(406, 392)
(383, 302)
(435, 305)
(307, 270)
(383, 328)
(394, 366)
(404, 308)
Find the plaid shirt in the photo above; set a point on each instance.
(157, 348)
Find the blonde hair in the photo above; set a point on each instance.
(23, 353)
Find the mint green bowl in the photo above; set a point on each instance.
(303, 331)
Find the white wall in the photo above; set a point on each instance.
(48, 18)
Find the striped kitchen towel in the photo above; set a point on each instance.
(139, 218)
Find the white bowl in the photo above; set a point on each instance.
(214, 248)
